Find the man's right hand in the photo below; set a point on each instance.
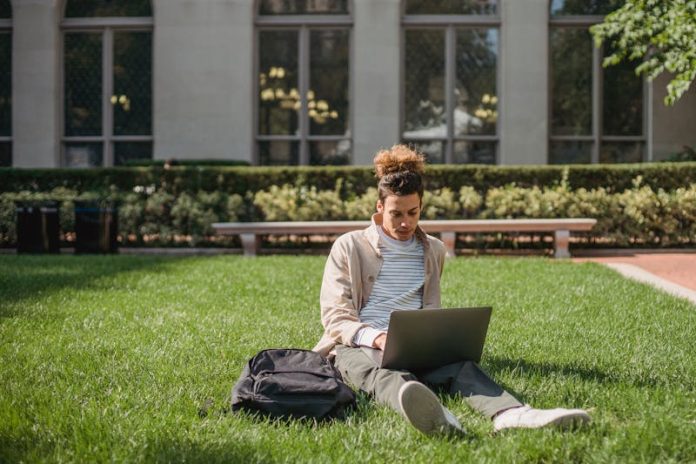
(380, 341)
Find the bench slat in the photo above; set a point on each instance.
(249, 232)
(456, 225)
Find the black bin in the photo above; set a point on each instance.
(96, 227)
(38, 227)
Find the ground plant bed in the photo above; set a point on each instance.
(132, 359)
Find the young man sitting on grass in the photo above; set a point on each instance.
(393, 265)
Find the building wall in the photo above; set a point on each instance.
(36, 83)
(203, 82)
(524, 78)
(376, 82)
(203, 88)
(673, 126)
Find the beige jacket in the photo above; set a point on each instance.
(353, 265)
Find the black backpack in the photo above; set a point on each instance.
(292, 383)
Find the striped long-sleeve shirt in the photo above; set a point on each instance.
(399, 285)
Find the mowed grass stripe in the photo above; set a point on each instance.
(109, 358)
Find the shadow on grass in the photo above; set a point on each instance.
(494, 365)
(357, 414)
(18, 449)
(23, 277)
(182, 451)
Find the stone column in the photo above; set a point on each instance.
(35, 83)
(524, 80)
(203, 71)
(376, 77)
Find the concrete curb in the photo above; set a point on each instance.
(641, 275)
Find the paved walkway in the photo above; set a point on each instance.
(673, 272)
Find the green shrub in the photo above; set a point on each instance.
(131, 216)
(602, 206)
(440, 204)
(278, 203)
(363, 206)
(509, 202)
(234, 208)
(470, 201)
(683, 207)
(658, 217)
(641, 214)
(185, 162)
(8, 214)
(292, 203)
(167, 218)
(193, 216)
(355, 179)
(157, 216)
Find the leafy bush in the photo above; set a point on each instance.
(470, 201)
(683, 208)
(641, 214)
(440, 204)
(8, 208)
(293, 203)
(131, 216)
(355, 179)
(194, 215)
(363, 206)
(651, 215)
(185, 162)
(168, 218)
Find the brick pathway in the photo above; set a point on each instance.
(674, 272)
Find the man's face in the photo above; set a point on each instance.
(401, 214)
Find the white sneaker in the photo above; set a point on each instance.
(528, 417)
(423, 410)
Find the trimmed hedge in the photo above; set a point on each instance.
(355, 179)
(640, 215)
(184, 219)
(184, 162)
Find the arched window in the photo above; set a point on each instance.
(5, 83)
(597, 115)
(450, 109)
(303, 82)
(107, 75)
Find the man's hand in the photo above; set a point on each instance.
(380, 341)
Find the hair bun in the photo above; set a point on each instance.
(397, 159)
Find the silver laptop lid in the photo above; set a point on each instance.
(430, 338)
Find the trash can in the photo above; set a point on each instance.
(38, 227)
(96, 227)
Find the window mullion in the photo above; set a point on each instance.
(304, 89)
(450, 76)
(597, 77)
(107, 92)
(647, 119)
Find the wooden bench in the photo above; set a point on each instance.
(250, 232)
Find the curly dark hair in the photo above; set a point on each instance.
(399, 170)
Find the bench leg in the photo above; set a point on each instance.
(250, 244)
(449, 238)
(560, 244)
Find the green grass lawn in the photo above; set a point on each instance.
(110, 359)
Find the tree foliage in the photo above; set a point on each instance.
(662, 33)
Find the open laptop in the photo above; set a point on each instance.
(430, 338)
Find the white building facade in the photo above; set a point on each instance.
(312, 82)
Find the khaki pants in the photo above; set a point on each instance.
(465, 378)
